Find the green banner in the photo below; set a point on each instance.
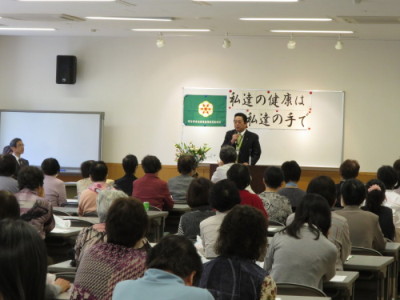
(202, 110)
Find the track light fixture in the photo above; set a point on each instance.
(226, 43)
(339, 44)
(291, 44)
(160, 41)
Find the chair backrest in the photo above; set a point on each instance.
(70, 276)
(80, 223)
(153, 208)
(365, 251)
(60, 213)
(295, 289)
(275, 223)
(91, 214)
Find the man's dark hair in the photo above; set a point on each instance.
(349, 169)
(126, 222)
(240, 175)
(8, 165)
(236, 240)
(314, 211)
(273, 177)
(175, 254)
(291, 171)
(151, 164)
(242, 115)
(85, 168)
(30, 178)
(325, 187)
(198, 192)
(353, 192)
(227, 154)
(9, 206)
(388, 176)
(14, 142)
(50, 166)
(186, 164)
(130, 163)
(98, 171)
(224, 195)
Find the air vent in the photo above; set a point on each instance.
(42, 17)
(370, 19)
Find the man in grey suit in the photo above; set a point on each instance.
(364, 227)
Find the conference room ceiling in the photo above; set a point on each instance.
(369, 19)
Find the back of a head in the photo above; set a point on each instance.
(291, 171)
(324, 186)
(375, 195)
(349, 169)
(388, 176)
(126, 222)
(313, 210)
(198, 192)
(353, 192)
(85, 168)
(7, 150)
(104, 200)
(236, 240)
(9, 206)
(224, 195)
(8, 165)
(98, 171)
(30, 178)
(227, 154)
(50, 166)
(186, 164)
(151, 164)
(23, 261)
(273, 177)
(240, 175)
(130, 163)
(176, 254)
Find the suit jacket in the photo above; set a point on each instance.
(22, 163)
(250, 151)
(364, 227)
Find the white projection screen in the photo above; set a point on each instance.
(70, 137)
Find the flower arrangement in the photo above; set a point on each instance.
(199, 153)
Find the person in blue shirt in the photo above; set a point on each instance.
(173, 268)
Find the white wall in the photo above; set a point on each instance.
(139, 87)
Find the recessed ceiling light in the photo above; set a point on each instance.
(130, 19)
(245, 0)
(289, 19)
(25, 29)
(313, 31)
(171, 30)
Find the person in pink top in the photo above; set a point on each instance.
(54, 188)
(240, 175)
(150, 188)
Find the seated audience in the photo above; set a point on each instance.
(173, 267)
(291, 173)
(338, 233)
(197, 199)
(96, 234)
(363, 225)
(348, 170)
(7, 170)
(23, 262)
(150, 188)
(224, 195)
(240, 175)
(178, 185)
(85, 182)
(122, 257)
(388, 176)
(33, 207)
(54, 188)
(277, 206)
(374, 203)
(302, 253)
(396, 167)
(234, 273)
(125, 184)
(87, 200)
(228, 157)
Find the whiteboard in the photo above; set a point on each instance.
(319, 146)
(70, 137)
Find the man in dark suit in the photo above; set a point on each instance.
(17, 147)
(246, 143)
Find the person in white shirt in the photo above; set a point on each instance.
(228, 157)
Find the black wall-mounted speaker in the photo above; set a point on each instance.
(66, 69)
